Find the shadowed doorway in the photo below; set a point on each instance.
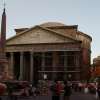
(37, 65)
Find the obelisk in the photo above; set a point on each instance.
(3, 60)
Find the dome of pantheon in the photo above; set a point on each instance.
(52, 24)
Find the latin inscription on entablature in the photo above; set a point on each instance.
(43, 47)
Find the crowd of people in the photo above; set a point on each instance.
(57, 89)
(44, 87)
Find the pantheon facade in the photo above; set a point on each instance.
(50, 50)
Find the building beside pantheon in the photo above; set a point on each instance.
(95, 72)
(51, 50)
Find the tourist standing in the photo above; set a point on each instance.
(2, 89)
(98, 90)
(56, 90)
(67, 90)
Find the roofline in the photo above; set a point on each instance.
(59, 33)
(20, 33)
(63, 27)
(85, 35)
(20, 29)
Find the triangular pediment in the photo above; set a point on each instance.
(38, 35)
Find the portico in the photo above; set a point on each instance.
(55, 61)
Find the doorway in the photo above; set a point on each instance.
(37, 65)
